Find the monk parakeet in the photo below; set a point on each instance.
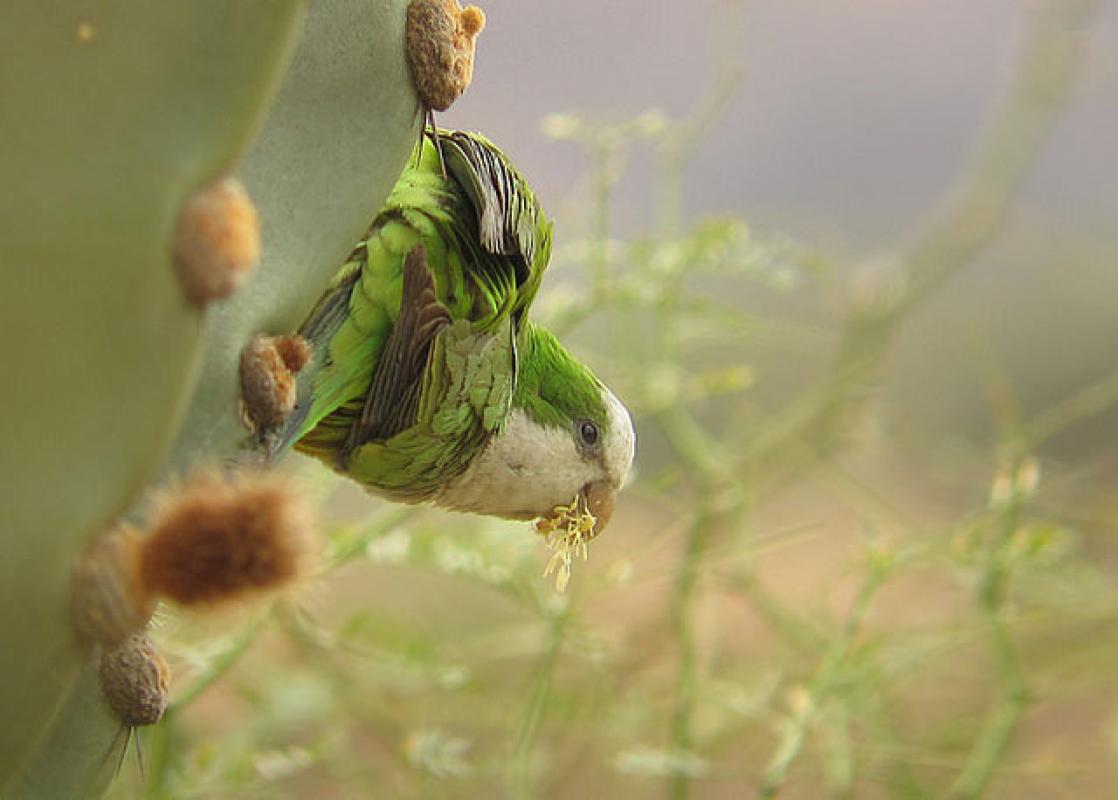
(427, 382)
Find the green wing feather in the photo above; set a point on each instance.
(466, 395)
(487, 243)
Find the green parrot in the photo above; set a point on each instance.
(427, 382)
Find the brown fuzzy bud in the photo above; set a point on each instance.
(134, 679)
(440, 38)
(269, 365)
(216, 539)
(107, 599)
(217, 241)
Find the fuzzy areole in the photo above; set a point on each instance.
(218, 539)
(134, 679)
(217, 241)
(268, 369)
(440, 37)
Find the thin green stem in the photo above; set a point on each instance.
(1089, 401)
(357, 544)
(683, 626)
(809, 702)
(694, 446)
(840, 765)
(1001, 721)
(218, 667)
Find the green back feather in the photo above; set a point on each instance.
(488, 243)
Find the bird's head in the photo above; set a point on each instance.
(567, 436)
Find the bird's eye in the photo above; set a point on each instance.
(589, 433)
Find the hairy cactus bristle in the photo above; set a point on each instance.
(107, 598)
(134, 680)
(268, 368)
(217, 241)
(440, 38)
(215, 539)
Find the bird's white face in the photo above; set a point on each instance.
(529, 469)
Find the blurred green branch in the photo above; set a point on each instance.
(1083, 404)
(807, 704)
(707, 520)
(346, 547)
(1011, 488)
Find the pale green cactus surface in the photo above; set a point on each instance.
(111, 114)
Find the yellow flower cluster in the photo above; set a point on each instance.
(567, 532)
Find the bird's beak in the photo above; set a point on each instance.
(599, 497)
